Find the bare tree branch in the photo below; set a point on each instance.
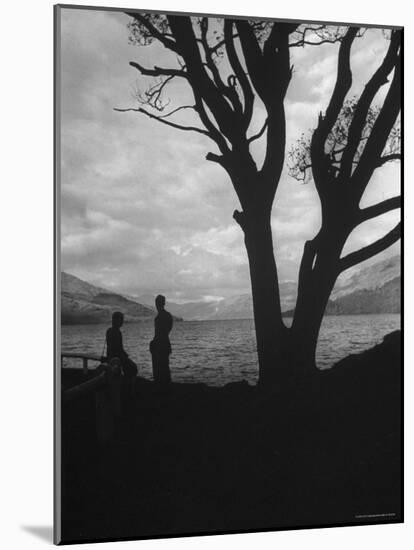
(380, 132)
(209, 60)
(215, 49)
(153, 95)
(253, 56)
(378, 209)
(219, 159)
(213, 131)
(239, 72)
(370, 250)
(320, 164)
(182, 108)
(227, 90)
(260, 133)
(317, 43)
(203, 86)
(163, 121)
(363, 105)
(323, 35)
(277, 65)
(388, 158)
(342, 86)
(157, 71)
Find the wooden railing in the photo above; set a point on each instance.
(85, 358)
(88, 387)
(105, 387)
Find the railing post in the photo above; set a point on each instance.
(85, 365)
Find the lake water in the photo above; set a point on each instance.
(217, 352)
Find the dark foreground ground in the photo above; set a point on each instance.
(206, 460)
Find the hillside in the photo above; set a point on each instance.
(369, 277)
(83, 303)
(383, 299)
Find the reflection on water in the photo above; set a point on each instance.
(217, 352)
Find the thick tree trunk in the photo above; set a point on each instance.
(270, 330)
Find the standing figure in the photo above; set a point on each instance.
(160, 346)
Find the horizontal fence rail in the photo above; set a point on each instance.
(85, 358)
(105, 387)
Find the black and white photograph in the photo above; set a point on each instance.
(228, 274)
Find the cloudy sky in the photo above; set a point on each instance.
(142, 211)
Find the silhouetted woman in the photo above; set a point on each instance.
(160, 346)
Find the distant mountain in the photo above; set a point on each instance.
(146, 300)
(235, 307)
(190, 311)
(366, 290)
(372, 289)
(241, 307)
(369, 277)
(83, 303)
(382, 299)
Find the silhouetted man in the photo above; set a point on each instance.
(115, 348)
(160, 346)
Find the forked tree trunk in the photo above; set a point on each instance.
(287, 353)
(316, 282)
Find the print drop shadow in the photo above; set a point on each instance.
(43, 532)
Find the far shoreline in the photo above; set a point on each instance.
(151, 320)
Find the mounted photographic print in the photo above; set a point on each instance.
(228, 258)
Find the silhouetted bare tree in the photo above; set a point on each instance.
(353, 139)
(229, 65)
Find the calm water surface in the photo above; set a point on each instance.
(217, 352)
